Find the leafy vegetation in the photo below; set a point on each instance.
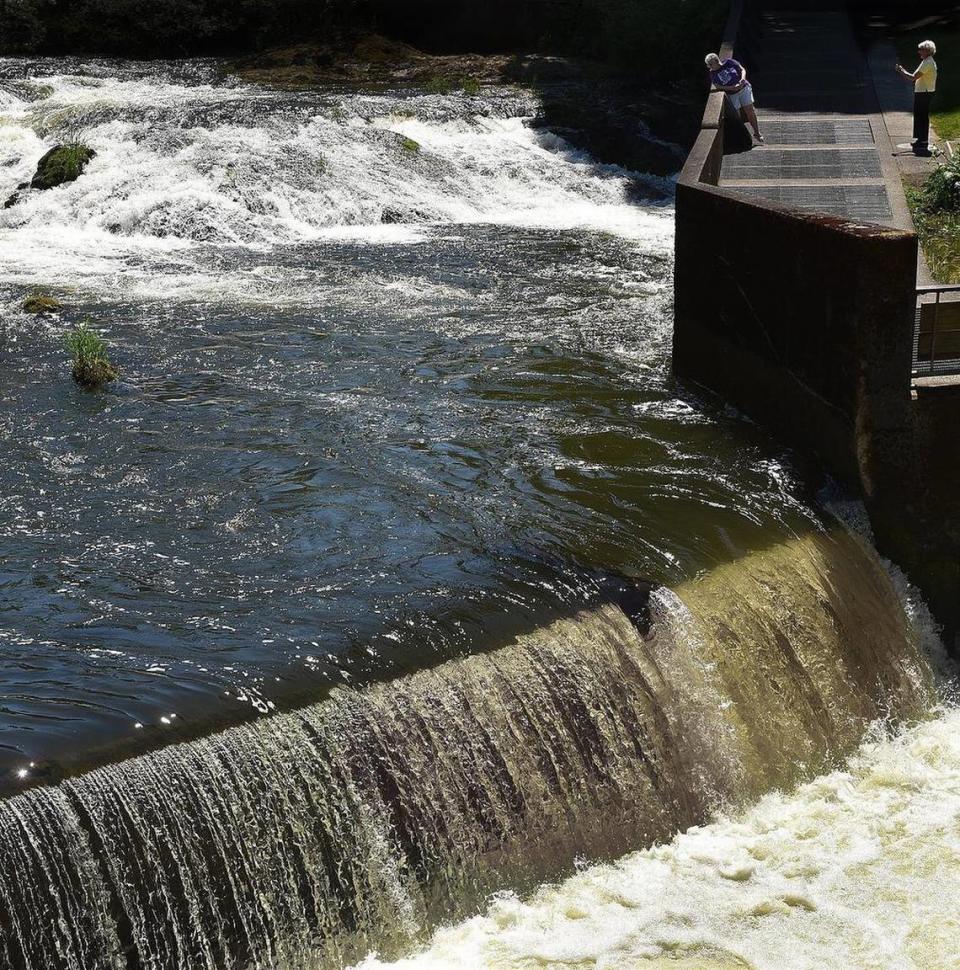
(935, 206)
(439, 85)
(409, 145)
(91, 362)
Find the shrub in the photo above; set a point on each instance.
(941, 191)
(409, 145)
(439, 85)
(91, 363)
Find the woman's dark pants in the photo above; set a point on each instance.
(921, 121)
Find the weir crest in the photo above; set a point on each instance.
(305, 839)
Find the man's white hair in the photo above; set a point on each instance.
(927, 45)
(711, 59)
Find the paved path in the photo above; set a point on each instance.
(827, 148)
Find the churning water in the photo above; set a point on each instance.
(857, 869)
(395, 450)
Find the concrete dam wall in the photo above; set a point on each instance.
(805, 321)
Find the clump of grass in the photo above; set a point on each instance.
(41, 303)
(409, 145)
(439, 85)
(91, 361)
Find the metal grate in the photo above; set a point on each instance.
(855, 132)
(868, 203)
(846, 101)
(816, 163)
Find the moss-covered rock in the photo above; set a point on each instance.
(64, 163)
(94, 372)
(41, 303)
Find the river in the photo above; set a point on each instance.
(396, 570)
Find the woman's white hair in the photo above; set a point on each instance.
(927, 45)
(711, 59)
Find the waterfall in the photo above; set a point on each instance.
(306, 839)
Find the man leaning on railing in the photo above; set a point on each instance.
(730, 76)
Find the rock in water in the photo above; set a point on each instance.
(15, 197)
(94, 371)
(61, 164)
(41, 304)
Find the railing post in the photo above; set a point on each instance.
(933, 332)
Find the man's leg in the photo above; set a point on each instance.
(748, 115)
(921, 122)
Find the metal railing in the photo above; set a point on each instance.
(936, 331)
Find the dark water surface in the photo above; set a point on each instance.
(372, 398)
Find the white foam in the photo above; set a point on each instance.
(857, 869)
(182, 168)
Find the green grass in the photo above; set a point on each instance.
(945, 111)
(91, 361)
(939, 234)
(409, 145)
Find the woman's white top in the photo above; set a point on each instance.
(926, 82)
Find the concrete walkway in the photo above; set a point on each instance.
(827, 148)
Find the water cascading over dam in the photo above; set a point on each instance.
(308, 838)
(384, 357)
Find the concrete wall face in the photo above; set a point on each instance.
(801, 319)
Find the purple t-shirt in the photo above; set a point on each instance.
(730, 73)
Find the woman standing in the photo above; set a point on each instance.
(924, 84)
(730, 76)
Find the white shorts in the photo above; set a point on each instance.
(742, 98)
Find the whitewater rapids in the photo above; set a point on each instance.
(860, 868)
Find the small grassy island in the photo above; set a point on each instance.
(91, 361)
